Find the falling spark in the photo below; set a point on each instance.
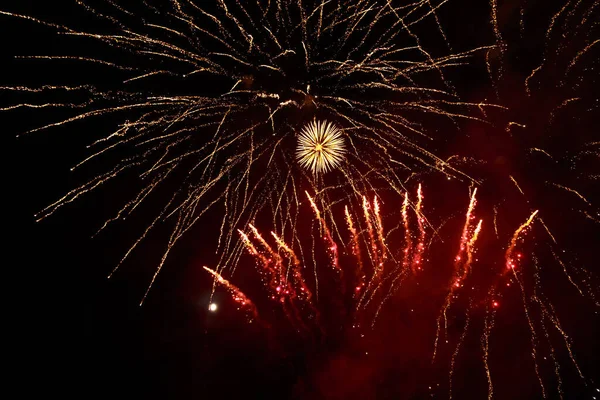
(461, 267)
(572, 191)
(332, 245)
(516, 184)
(417, 259)
(511, 262)
(237, 295)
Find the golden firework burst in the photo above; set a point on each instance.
(320, 146)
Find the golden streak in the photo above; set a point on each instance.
(510, 262)
(420, 219)
(471, 246)
(332, 245)
(355, 249)
(236, 293)
(516, 184)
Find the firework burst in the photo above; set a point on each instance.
(206, 103)
(320, 147)
(216, 92)
(376, 263)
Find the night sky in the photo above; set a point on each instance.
(88, 337)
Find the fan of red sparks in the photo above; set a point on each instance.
(372, 264)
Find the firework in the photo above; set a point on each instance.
(238, 107)
(320, 147)
(469, 296)
(253, 73)
(550, 164)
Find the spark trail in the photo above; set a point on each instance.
(333, 248)
(418, 254)
(237, 295)
(461, 267)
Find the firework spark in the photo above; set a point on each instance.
(238, 296)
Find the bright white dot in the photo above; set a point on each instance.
(212, 307)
